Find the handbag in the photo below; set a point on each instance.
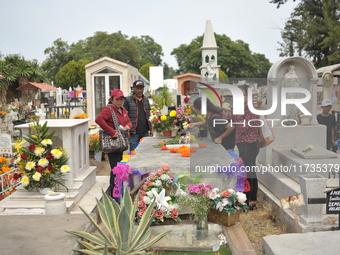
(108, 144)
(266, 135)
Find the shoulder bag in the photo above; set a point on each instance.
(108, 144)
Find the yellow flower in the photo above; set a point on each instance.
(46, 142)
(38, 151)
(163, 117)
(34, 136)
(18, 145)
(25, 181)
(30, 165)
(56, 153)
(43, 162)
(36, 176)
(64, 169)
(173, 113)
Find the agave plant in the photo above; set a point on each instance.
(119, 222)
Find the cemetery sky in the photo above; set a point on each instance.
(31, 26)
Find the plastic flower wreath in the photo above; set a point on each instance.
(156, 188)
(228, 200)
(41, 165)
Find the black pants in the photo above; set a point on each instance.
(248, 152)
(114, 158)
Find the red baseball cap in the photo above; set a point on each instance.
(117, 93)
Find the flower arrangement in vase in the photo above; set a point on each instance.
(228, 200)
(94, 143)
(41, 165)
(158, 187)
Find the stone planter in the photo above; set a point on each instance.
(55, 204)
(222, 217)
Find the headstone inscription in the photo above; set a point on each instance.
(333, 202)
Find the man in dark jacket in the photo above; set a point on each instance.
(138, 108)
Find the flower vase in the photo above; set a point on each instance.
(44, 191)
(167, 133)
(222, 217)
(98, 156)
(202, 229)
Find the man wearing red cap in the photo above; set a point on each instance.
(105, 121)
(138, 108)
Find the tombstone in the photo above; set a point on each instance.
(76, 111)
(5, 145)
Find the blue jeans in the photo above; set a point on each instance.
(134, 139)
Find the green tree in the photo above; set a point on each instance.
(58, 56)
(235, 58)
(169, 72)
(72, 74)
(17, 71)
(149, 50)
(145, 70)
(313, 31)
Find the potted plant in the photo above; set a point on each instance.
(226, 206)
(94, 146)
(119, 235)
(197, 199)
(41, 165)
(162, 123)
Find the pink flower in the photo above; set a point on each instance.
(165, 167)
(141, 212)
(174, 213)
(213, 194)
(159, 214)
(225, 193)
(141, 204)
(159, 171)
(241, 198)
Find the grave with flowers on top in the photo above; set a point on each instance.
(72, 136)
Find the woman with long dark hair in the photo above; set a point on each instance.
(105, 121)
(220, 133)
(246, 139)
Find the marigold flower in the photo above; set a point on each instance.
(163, 118)
(173, 113)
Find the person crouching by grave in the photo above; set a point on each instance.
(138, 108)
(220, 133)
(106, 122)
(246, 139)
(327, 119)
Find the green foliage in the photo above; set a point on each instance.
(17, 71)
(145, 70)
(313, 31)
(72, 74)
(120, 236)
(169, 72)
(163, 98)
(235, 58)
(149, 50)
(135, 51)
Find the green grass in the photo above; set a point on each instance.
(223, 251)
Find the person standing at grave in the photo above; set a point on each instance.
(220, 133)
(106, 122)
(246, 139)
(327, 119)
(138, 108)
